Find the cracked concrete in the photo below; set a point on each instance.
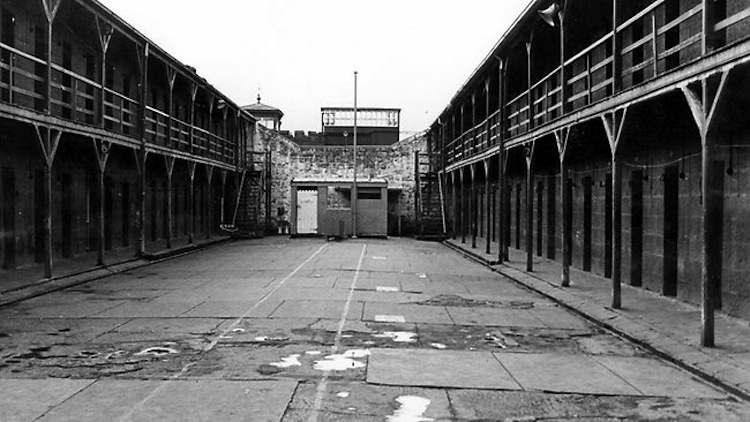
(250, 321)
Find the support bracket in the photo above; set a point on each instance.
(49, 141)
(614, 122)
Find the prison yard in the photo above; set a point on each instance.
(567, 240)
(300, 330)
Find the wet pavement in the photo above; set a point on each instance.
(305, 330)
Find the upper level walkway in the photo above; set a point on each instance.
(293, 330)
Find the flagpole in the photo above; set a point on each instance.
(354, 186)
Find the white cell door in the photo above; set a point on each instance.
(307, 212)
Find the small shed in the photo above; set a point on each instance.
(324, 207)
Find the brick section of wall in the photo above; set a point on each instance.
(393, 163)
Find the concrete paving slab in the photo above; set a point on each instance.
(562, 373)
(655, 378)
(176, 401)
(171, 325)
(310, 293)
(274, 331)
(363, 402)
(412, 313)
(61, 309)
(330, 309)
(147, 309)
(232, 309)
(531, 406)
(27, 399)
(498, 317)
(432, 368)
(255, 362)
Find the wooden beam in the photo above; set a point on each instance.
(562, 138)
(454, 203)
(613, 123)
(501, 257)
(488, 207)
(49, 140)
(473, 212)
(209, 200)
(191, 201)
(169, 167)
(463, 207)
(529, 150)
(101, 149)
(141, 156)
(703, 102)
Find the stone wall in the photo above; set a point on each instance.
(393, 163)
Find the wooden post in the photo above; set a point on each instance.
(209, 201)
(703, 101)
(101, 149)
(169, 167)
(463, 205)
(193, 95)
(50, 11)
(171, 78)
(141, 155)
(488, 206)
(191, 201)
(473, 205)
(501, 205)
(529, 153)
(529, 94)
(104, 31)
(616, 56)
(562, 137)
(456, 206)
(613, 125)
(49, 141)
(563, 82)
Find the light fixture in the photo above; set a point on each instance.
(548, 15)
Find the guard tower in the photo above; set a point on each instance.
(375, 126)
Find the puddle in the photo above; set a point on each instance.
(287, 362)
(439, 346)
(379, 258)
(238, 330)
(157, 351)
(411, 409)
(387, 289)
(342, 362)
(390, 318)
(422, 275)
(313, 352)
(399, 336)
(343, 394)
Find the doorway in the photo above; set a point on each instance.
(307, 211)
(671, 230)
(9, 218)
(587, 203)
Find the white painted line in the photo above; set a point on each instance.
(323, 384)
(390, 318)
(138, 406)
(387, 289)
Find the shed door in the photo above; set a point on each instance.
(307, 211)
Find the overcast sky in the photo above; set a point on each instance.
(411, 54)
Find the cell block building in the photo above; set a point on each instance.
(611, 136)
(109, 146)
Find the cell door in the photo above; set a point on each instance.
(307, 212)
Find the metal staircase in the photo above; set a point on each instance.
(430, 212)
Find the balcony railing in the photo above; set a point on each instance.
(646, 51)
(78, 99)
